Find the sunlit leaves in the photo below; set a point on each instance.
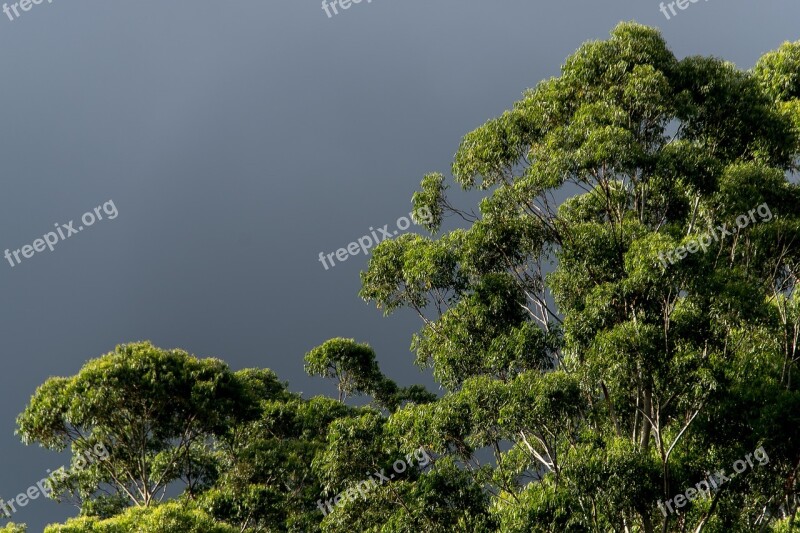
(779, 72)
(352, 364)
(150, 407)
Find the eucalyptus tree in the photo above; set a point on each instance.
(355, 368)
(610, 382)
(156, 413)
(614, 324)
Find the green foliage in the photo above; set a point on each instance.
(779, 72)
(11, 527)
(172, 517)
(586, 377)
(625, 393)
(352, 364)
(267, 479)
(431, 199)
(357, 371)
(153, 409)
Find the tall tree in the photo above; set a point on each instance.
(621, 377)
(618, 324)
(357, 372)
(153, 410)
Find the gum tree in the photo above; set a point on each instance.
(357, 372)
(602, 379)
(587, 380)
(154, 410)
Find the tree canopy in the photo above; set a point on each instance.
(615, 323)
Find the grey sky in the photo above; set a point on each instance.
(238, 139)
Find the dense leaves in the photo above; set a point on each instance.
(616, 319)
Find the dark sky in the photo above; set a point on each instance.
(237, 140)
